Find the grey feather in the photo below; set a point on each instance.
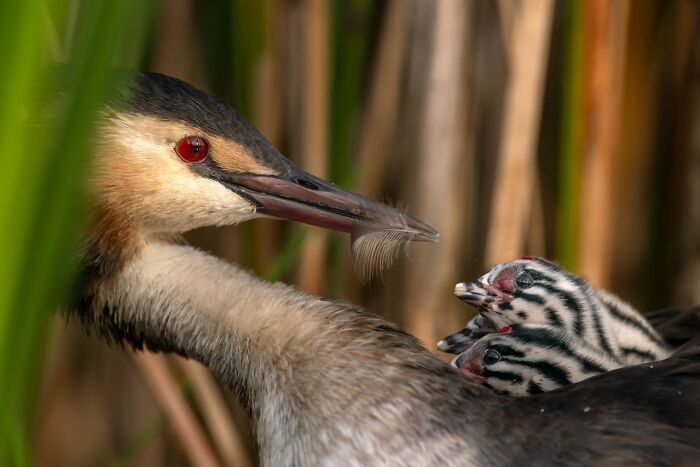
(376, 246)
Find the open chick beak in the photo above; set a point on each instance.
(484, 298)
(304, 198)
(480, 295)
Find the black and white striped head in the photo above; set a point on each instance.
(531, 290)
(528, 359)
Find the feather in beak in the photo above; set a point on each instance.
(377, 231)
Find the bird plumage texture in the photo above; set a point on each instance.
(537, 291)
(325, 383)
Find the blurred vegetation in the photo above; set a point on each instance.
(41, 182)
(415, 102)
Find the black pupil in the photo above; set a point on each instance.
(524, 280)
(491, 357)
(195, 149)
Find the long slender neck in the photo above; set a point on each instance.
(321, 379)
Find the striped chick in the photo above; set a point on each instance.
(527, 359)
(534, 290)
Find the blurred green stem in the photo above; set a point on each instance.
(41, 194)
(572, 128)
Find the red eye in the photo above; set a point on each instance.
(192, 149)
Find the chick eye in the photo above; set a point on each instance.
(491, 357)
(524, 280)
(192, 149)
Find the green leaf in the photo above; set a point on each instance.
(41, 185)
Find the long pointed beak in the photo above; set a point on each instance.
(308, 199)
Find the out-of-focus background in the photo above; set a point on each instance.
(567, 129)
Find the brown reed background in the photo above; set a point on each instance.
(569, 129)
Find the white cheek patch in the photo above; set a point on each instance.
(177, 199)
(195, 202)
(156, 188)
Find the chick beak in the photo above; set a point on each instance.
(458, 342)
(469, 368)
(480, 295)
(304, 198)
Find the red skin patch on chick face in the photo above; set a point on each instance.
(505, 329)
(470, 370)
(505, 281)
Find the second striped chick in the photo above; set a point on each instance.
(527, 359)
